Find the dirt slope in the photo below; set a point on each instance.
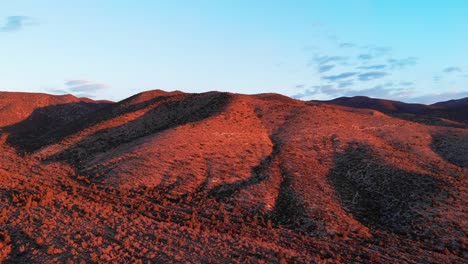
(451, 113)
(16, 106)
(221, 177)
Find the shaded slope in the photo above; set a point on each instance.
(69, 119)
(452, 113)
(33, 132)
(176, 144)
(380, 195)
(458, 103)
(452, 146)
(165, 114)
(168, 177)
(16, 106)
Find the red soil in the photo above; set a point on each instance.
(220, 177)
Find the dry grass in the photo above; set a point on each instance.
(215, 178)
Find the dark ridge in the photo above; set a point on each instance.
(463, 102)
(32, 133)
(16, 107)
(167, 115)
(259, 174)
(453, 114)
(59, 125)
(452, 147)
(289, 207)
(379, 195)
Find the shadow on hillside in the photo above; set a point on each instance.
(452, 147)
(442, 120)
(379, 195)
(258, 174)
(32, 133)
(169, 114)
(289, 207)
(57, 132)
(426, 115)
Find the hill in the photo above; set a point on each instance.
(450, 113)
(16, 106)
(222, 177)
(28, 116)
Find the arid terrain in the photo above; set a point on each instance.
(172, 177)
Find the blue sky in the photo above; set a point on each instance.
(413, 51)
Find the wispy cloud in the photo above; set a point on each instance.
(371, 52)
(339, 77)
(76, 82)
(452, 69)
(331, 90)
(92, 87)
(325, 68)
(369, 76)
(382, 91)
(320, 87)
(15, 23)
(349, 69)
(365, 57)
(321, 60)
(439, 97)
(373, 67)
(368, 70)
(316, 89)
(402, 63)
(346, 83)
(84, 86)
(306, 93)
(405, 83)
(347, 45)
(387, 90)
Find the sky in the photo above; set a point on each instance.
(411, 51)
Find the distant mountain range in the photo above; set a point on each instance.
(453, 110)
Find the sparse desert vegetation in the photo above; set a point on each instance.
(219, 178)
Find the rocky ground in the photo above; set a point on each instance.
(218, 177)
